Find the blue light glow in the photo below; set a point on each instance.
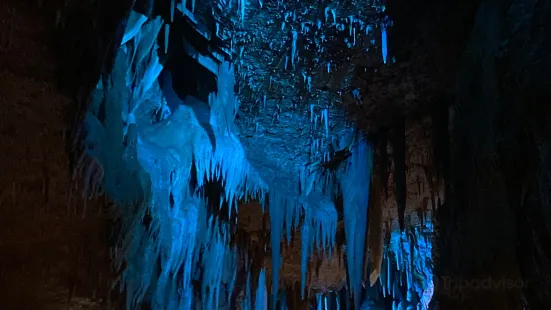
(185, 114)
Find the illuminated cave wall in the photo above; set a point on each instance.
(256, 110)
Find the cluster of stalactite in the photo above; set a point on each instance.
(166, 154)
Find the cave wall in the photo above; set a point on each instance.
(53, 241)
(498, 158)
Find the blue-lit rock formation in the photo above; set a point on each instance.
(207, 106)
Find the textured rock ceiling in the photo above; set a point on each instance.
(293, 71)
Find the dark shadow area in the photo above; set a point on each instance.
(53, 243)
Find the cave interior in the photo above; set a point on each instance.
(280, 154)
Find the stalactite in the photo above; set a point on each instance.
(398, 141)
(247, 301)
(376, 237)
(291, 213)
(432, 187)
(384, 49)
(440, 140)
(304, 253)
(261, 296)
(277, 220)
(187, 241)
(355, 185)
(383, 161)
